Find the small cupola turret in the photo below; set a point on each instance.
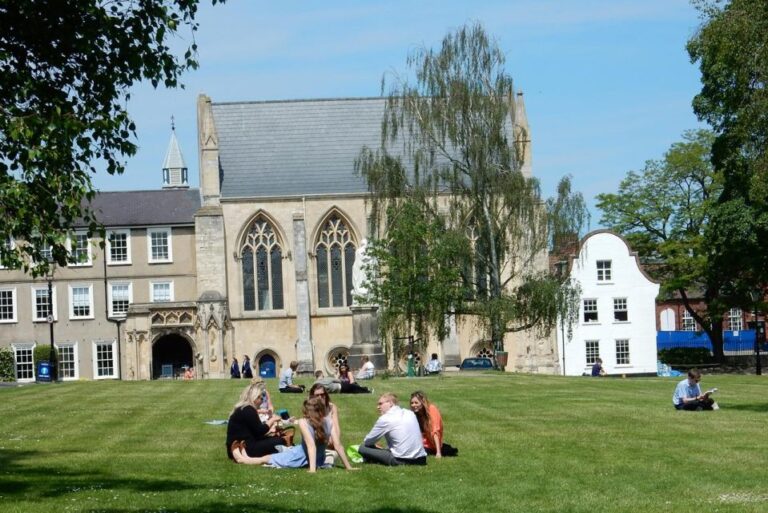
(175, 173)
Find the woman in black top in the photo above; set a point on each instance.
(245, 426)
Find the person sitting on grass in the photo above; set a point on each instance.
(347, 380)
(597, 368)
(367, 371)
(688, 394)
(331, 412)
(286, 380)
(400, 428)
(315, 429)
(431, 426)
(254, 437)
(433, 366)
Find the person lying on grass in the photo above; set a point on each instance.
(315, 429)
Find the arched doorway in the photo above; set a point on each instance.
(170, 354)
(267, 366)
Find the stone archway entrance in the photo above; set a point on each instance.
(170, 353)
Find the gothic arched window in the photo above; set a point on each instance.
(262, 265)
(335, 255)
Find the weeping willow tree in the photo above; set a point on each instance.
(451, 161)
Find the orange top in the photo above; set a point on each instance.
(436, 422)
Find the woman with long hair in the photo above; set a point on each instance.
(431, 425)
(315, 430)
(331, 412)
(347, 380)
(254, 436)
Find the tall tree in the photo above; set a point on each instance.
(450, 144)
(664, 212)
(67, 67)
(731, 48)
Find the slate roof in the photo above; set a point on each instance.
(146, 208)
(295, 148)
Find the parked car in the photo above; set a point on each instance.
(474, 364)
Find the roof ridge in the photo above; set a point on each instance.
(303, 100)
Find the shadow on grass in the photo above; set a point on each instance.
(756, 407)
(35, 479)
(220, 507)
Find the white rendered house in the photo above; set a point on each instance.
(617, 310)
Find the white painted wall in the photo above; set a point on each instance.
(626, 281)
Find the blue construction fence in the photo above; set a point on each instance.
(740, 342)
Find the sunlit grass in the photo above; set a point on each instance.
(527, 443)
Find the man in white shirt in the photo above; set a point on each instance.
(400, 429)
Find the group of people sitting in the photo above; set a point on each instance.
(258, 436)
(344, 382)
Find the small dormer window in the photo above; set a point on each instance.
(166, 177)
(603, 270)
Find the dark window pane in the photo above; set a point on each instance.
(262, 278)
(349, 261)
(277, 278)
(322, 277)
(336, 276)
(249, 293)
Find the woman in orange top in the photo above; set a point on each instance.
(430, 422)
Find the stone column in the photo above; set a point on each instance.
(304, 349)
(451, 354)
(365, 337)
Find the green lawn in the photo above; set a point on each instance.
(527, 444)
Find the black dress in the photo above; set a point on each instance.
(244, 424)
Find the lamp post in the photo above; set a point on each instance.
(54, 367)
(757, 295)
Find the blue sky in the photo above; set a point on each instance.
(607, 83)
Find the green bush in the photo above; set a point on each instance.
(7, 372)
(686, 356)
(43, 353)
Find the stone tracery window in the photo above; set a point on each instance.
(262, 268)
(335, 256)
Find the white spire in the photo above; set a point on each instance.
(522, 133)
(174, 168)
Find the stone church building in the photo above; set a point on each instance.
(258, 262)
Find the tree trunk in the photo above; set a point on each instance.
(715, 334)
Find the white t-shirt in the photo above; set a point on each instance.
(367, 371)
(401, 430)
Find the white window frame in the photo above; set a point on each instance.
(127, 234)
(14, 305)
(605, 273)
(110, 292)
(735, 318)
(584, 311)
(687, 322)
(591, 354)
(617, 308)
(44, 288)
(30, 346)
(72, 315)
(628, 353)
(168, 233)
(75, 362)
(161, 282)
(89, 253)
(95, 359)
